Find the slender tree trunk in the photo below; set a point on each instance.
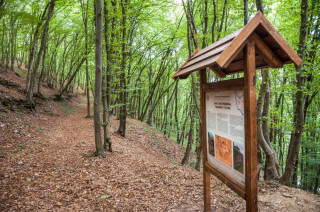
(150, 114)
(107, 145)
(205, 23)
(245, 12)
(84, 8)
(7, 55)
(12, 43)
(176, 110)
(222, 18)
(181, 140)
(316, 186)
(42, 70)
(199, 150)
(21, 60)
(214, 20)
(98, 79)
(186, 158)
(123, 92)
(2, 42)
(87, 85)
(105, 100)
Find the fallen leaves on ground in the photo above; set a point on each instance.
(42, 168)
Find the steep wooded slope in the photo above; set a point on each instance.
(42, 166)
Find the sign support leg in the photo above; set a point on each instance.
(206, 173)
(206, 190)
(250, 111)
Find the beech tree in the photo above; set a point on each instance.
(98, 79)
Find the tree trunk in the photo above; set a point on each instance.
(107, 145)
(123, 92)
(222, 18)
(150, 114)
(176, 110)
(105, 100)
(98, 79)
(245, 12)
(87, 85)
(299, 97)
(7, 55)
(42, 70)
(205, 23)
(199, 150)
(262, 109)
(316, 186)
(214, 20)
(186, 158)
(84, 9)
(2, 42)
(259, 5)
(13, 20)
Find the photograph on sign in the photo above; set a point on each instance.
(225, 133)
(211, 143)
(238, 157)
(224, 150)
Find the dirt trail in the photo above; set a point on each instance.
(142, 174)
(53, 174)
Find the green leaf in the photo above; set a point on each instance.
(105, 196)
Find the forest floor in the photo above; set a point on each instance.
(43, 168)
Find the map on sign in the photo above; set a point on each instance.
(225, 132)
(239, 102)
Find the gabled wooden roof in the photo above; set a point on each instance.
(226, 56)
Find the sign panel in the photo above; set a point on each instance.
(225, 133)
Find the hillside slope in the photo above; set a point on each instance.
(42, 166)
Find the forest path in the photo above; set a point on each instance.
(142, 174)
(52, 174)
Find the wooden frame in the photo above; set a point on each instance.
(234, 84)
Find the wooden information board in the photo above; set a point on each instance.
(229, 115)
(229, 107)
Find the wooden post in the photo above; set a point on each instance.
(250, 112)
(206, 173)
